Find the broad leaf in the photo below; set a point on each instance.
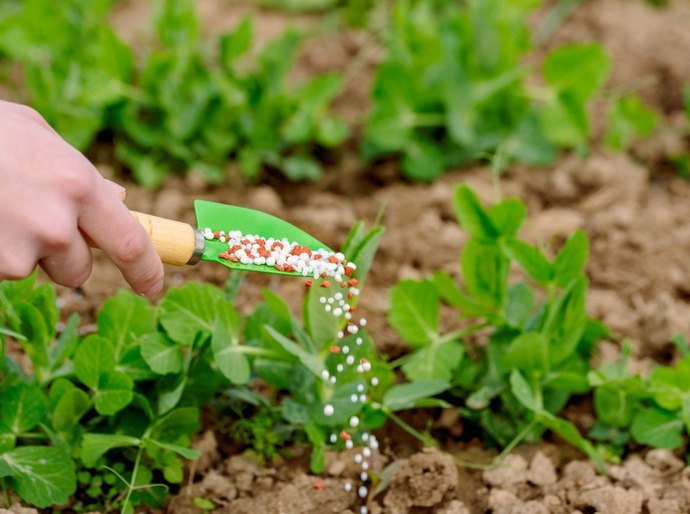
(23, 407)
(190, 309)
(531, 260)
(161, 355)
(93, 446)
(95, 355)
(570, 261)
(414, 311)
(114, 392)
(225, 343)
(123, 318)
(529, 353)
(42, 476)
(405, 396)
(471, 215)
(657, 428)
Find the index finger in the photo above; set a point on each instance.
(110, 225)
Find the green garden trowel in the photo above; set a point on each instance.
(178, 243)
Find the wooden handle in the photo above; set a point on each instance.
(176, 242)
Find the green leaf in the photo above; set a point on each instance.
(23, 407)
(33, 327)
(580, 69)
(123, 319)
(529, 353)
(236, 43)
(438, 360)
(571, 434)
(471, 215)
(405, 396)
(321, 326)
(570, 261)
(531, 260)
(451, 293)
(629, 119)
(523, 392)
(657, 428)
(519, 304)
(187, 453)
(114, 392)
(94, 446)
(310, 361)
(615, 402)
(66, 343)
(160, 354)
(423, 161)
(566, 321)
(301, 167)
(508, 216)
(190, 309)
(414, 311)
(71, 406)
(177, 423)
(317, 438)
(363, 253)
(42, 476)
(225, 343)
(485, 271)
(95, 355)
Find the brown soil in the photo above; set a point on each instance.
(637, 222)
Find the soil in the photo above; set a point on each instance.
(637, 221)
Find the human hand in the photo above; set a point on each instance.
(52, 199)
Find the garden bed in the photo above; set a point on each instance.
(633, 209)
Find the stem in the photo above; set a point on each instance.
(133, 480)
(498, 458)
(261, 352)
(30, 435)
(427, 441)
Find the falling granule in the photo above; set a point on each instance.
(328, 409)
(333, 438)
(348, 486)
(354, 421)
(362, 491)
(364, 476)
(358, 458)
(363, 510)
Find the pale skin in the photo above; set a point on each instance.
(53, 200)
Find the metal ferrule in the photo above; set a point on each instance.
(199, 247)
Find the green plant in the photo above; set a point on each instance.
(629, 120)
(651, 411)
(538, 336)
(75, 69)
(195, 107)
(451, 89)
(116, 408)
(299, 358)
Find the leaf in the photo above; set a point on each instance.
(95, 355)
(94, 446)
(22, 408)
(423, 160)
(317, 438)
(236, 43)
(363, 253)
(628, 120)
(566, 321)
(161, 355)
(508, 216)
(225, 343)
(438, 360)
(404, 396)
(301, 167)
(581, 69)
(33, 327)
(321, 326)
(311, 362)
(471, 215)
(571, 434)
(123, 319)
(519, 304)
(485, 271)
(414, 311)
(615, 402)
(657, 428)
(529, 353)
(451, 293)
(190, 309)
(114, 392)
(177, 423)
(187, 453)
(570, 261)
(531, 260)
(66, 343)
(70, 408)
(43, 476)
(523, 392)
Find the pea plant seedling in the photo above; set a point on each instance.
(539, 338)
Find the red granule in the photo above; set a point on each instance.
(325, 284)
